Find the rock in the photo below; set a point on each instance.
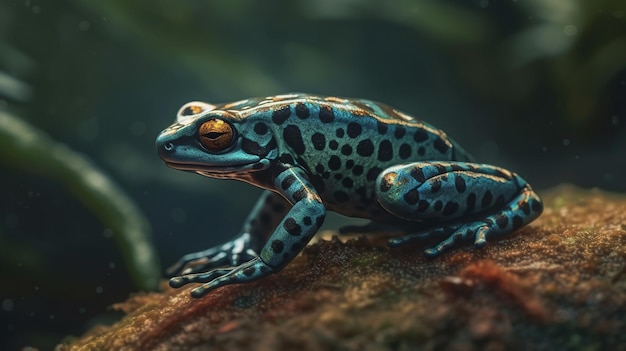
(557, 284)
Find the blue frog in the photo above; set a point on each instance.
(356, 157)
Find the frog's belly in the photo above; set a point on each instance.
(361, 207)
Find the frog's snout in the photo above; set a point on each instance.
(165, 147)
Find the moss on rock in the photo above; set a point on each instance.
(559, 283)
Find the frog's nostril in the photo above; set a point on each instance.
(165, 148)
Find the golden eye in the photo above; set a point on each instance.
(215, 134)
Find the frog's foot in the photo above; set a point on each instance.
(448, 236)
(522, 210)
(250, 271)
(231, 253)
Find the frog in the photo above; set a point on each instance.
(356, 157)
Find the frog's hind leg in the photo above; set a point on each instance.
(468, 201)
(504, 222)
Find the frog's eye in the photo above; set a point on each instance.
(216, 135)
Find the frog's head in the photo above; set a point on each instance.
(212, 141)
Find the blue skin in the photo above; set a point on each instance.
(355, 157)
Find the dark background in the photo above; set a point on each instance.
(538, 87)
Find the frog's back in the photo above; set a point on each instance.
(344, 144)
(370, 129)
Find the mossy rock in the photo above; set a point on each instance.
(558, 284)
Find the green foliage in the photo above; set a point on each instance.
(29, 149)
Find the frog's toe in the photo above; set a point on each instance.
(477, 231)
(199, 262)
(247, 272)
(447, 236)
(445, 245)
(178, 267)
(437, 233)
(191, 260)
(229, 254)
(177, 282)
(480, 238)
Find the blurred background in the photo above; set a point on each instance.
(88, 212)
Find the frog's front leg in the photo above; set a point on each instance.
(269, 209)
(463, 201)
(291, 235)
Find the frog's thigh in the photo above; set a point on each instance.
(444, 191)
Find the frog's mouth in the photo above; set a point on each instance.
(217, 170)
(180, 156)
